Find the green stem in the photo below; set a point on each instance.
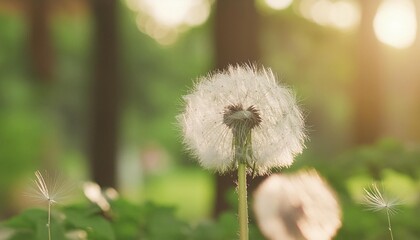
(389, 224)
(243, 205)
(49, 220)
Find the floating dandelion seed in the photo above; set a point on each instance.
(376, 200)
(297, 206)
(242, 104)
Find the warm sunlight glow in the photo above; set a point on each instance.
(305, 8)
(343, 14)
(163, 20)
(395, 23)
(320, 12)
(278, 4)
(171, 13)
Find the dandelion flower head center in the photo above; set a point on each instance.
(236, 117)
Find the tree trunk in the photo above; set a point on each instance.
(105, 92)
(236, 41)
(40, 46)
(236, 32)
(413, 126)
(368, 90)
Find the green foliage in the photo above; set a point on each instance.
(31, 224)
(197, 186)
(125, 221)
(147, 221)
(150, 221)
(89, 220)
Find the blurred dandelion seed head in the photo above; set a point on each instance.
(297, 206)
(242, 98)
(94, 193)
(375, 199)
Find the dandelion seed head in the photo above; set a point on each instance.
(375, 199)
(297, 206)
(246, 96)
(49, 188)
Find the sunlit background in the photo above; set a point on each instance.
(352, 64)
(395, 21)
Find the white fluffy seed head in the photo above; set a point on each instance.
(275, 141)
(297, 206)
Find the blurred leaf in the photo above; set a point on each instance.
(92, 222)
(126, 220)
(158, 217)
(27, 219)
(32, 224)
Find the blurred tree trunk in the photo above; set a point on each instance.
(105, 93)
(414, 119)
(40, 45)
(236, 41)
(368, 89)
(236, 32)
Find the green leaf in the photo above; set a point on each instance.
(95, 225)
(32, 224)
(27, 219)
(126, 220)
(161, 223)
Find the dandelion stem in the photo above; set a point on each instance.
(243, 152)
(243, 204)
(389, 224)
(49, 220)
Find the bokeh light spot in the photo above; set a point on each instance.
(163, 20)
(395, 23)
(344, 14)
(278, 4)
